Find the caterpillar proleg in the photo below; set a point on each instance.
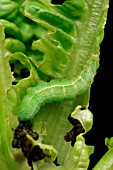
(55, 91)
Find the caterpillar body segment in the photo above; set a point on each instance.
(55, 91)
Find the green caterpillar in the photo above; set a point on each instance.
(47, 92)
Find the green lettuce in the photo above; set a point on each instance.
(44, 41)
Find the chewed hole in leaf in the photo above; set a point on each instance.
(82, 108)
(24, 73)
(19, 71)
(58, 1)
(56, 162)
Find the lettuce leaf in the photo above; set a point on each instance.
(8, 121)
(57, 41)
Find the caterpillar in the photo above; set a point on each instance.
(55, 91)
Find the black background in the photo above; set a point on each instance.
(101, 101)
